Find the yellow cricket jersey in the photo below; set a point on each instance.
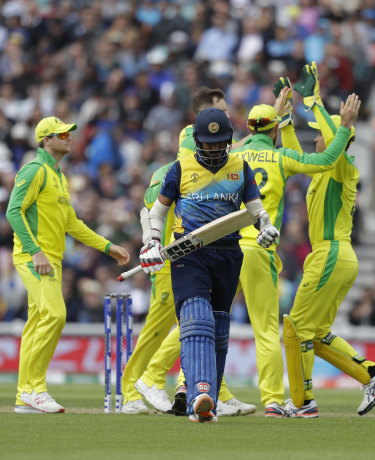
(331, 195)
(273, 166)
(40, 213)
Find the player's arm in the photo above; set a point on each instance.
(284, 108)
(81, 232)
(268, 234)
(151, 257)
(294, 163)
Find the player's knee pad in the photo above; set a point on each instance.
(293, 354)
(197, 336)
(222, 326)
(333, 349)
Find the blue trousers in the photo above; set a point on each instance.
(209, 273)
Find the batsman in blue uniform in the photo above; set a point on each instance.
(204, 187)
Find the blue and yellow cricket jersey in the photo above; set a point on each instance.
(201, 195)
(273, 166)
(40, 213)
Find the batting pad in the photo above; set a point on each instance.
(198, 360)
(222, 326)
(335, 350)
(294, 361)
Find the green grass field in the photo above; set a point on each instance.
(85, 432)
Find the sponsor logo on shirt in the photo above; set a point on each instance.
(64, 200)
(21, 182)
(195, 178)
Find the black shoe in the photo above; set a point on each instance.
(179, 405)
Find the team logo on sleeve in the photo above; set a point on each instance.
(233, 176)
(20, 183)
(213, 127)
(164, 296)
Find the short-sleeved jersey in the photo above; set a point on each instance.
(331, 195)
(202, 196)
(40, 213)
(273, 166)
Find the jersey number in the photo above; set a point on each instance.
(264, 180)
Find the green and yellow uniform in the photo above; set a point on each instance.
(161, 315)
(331, 268)
(272, 168)
(40, 214)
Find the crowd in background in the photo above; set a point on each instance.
(125, 72)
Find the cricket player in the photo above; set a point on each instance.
(40, 214)
(145, 373)
(332, 266)
(272, 167)
(205, 187)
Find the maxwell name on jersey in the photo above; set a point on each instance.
(263, 157)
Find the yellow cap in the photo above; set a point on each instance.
(51, 125)
(262, 117)
(336, 121)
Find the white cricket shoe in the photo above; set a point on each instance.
(157, 398)
(242, 408)
(135, 407)
(368, 399)
(225, 410)
(202, 406)
(42, 401)
(21, 409)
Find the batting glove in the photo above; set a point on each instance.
(286, 118)
(308, 87)
(151, 257)
(268, 233)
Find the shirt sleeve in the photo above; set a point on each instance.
(22, 212)
(171, 183)
(251, 190)
(309, 163)
(80, 231)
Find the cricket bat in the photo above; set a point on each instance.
(204, 235)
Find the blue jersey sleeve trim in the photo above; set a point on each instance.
(171, 183)
(251, 190)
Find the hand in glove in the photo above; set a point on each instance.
(151, 257)
(308, 87)
(268, 234)
(284, 108)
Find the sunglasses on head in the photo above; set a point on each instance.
(260, 122)
(60, 135)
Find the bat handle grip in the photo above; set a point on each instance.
(125, 275)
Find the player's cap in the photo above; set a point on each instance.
(51, 125)
(212, 125)
(262, 117)
(336, 121)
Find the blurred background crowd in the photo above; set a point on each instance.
(125, 71)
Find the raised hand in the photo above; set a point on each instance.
(349, 110)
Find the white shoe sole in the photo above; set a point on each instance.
(20, 409)
(29, 400)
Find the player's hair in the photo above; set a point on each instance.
(204, 98)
